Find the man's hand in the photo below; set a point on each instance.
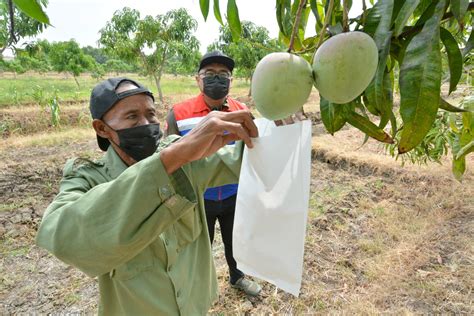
(214, 131)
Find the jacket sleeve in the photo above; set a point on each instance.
(220, 168)
(171, 126)
(97, 228)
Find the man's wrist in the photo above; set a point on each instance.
(172, 158)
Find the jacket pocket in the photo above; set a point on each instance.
(142, 262)
(188, 227)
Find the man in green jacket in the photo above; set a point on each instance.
(133, 218)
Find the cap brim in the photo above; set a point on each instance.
(223, 60)
(128, 93)
(103, 143)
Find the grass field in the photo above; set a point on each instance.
(20, 89)
(381, 238)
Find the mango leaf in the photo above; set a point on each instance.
(428, 13)
(469, 148)
(204, 4)
(459, 167)
(454, 58)
(402, 18)
(217, 12)
(284, 17)
(280, 11)
(33, 9)
(234, 20)
(469, 44)
(459, 9)
(379, 90)
(372, 20)
(420, 82)
(314, 9)
(365, 125)
(463, 145)
(444, 105)
(370, 105)
(332, 115)
(384, 10)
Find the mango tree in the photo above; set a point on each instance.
(68, 57)
(254, 43)
(413, 38)
(151, 41)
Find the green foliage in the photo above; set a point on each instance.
(332, 115)
(408, 34)
(98, 54)
(177, 66)
(119, 66)
(28, 20)
(54, 108)
(68, 57)
(98, 71)
(433, 146)
(463, 143)
(254, 44)
(32, 9)
(420, 82)
(131, 38)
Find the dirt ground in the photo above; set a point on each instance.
(381, 238)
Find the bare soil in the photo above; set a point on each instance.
(381, 238)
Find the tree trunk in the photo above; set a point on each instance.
(77, 82)
(160, 73)
(158, 87)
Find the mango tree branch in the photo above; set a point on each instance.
(446, 16)
(327, 18)
(296, 25)
(12, 23)
(345, 18)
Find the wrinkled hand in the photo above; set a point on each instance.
(213, 132)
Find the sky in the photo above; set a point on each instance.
(82, 19)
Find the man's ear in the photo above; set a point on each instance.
(100, 128)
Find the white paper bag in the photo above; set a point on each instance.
(272, 204)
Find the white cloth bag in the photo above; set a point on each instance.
(272, 204)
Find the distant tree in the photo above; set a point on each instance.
(15, 66)
(15, 24)
(177, 65)
(164, 36)
(97, 71)
(97, 53)
(68, 57)
(35, 56)
(32, 63)
(253, 45)
(118, 66)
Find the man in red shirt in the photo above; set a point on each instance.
(214, 79)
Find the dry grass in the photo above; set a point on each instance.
(377, 245)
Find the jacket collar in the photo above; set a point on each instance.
(113, 163)
(201, 105)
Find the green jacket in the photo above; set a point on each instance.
(142, 232)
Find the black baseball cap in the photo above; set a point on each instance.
(216, 57)
(104, 97)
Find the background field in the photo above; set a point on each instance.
(381, 238)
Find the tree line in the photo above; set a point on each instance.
(130, 43)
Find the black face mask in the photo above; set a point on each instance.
(141, 141)
(216, 87)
